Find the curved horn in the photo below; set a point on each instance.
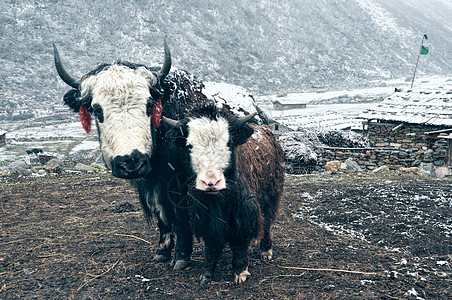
(61, 71)
(247, 118)
(166, 63)
(170, 122)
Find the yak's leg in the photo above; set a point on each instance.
(176, 191)
(184, 244)
(166, 242)
(266, 242)
(149, 193)
(240, 262)
(212, 254)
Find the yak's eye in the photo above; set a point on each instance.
(189, 146)
(149, 106)
(98, 112)
(155, 94)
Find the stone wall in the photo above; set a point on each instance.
(407, 146)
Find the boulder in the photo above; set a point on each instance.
(5, 173)
(427, 169)
(381, 169)
(442, 172)
(353, 165)
(19, 167)
(83, 168)
(333, 165)
(98, 166)
(53, 166)
(413, 170)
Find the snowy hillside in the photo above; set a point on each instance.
(265, 46)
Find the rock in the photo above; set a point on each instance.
(53, 166)
(5, 173)
(439, 162)
(381, 169)
(427, 169)
(428, 153)
(333, 165)
(98, 166)
(414, 170)
(442, 172)
(353, 165)
(19, 167)
(38, 171)
(83, 168)
(45, 158)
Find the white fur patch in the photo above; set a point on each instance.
(267, 255)
(242, 277)
(167, 241)
(122, 93)
(210, 155)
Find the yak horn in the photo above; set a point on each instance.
(247, 118)
(170, 122)
(62, 72)
(166, 63)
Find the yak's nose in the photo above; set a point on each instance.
(211, 185)
(131, 166)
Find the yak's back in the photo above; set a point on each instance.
(182, 91)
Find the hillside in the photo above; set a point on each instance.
(264, 46)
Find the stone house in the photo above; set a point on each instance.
(282, 106)
(414, 126)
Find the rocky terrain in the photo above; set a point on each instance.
(338, 236)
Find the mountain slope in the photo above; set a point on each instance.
(265, 46)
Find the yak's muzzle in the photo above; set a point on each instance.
(131, 166)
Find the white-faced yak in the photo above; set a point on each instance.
(127, 101)
(237, 183)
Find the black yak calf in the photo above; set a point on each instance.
(239, 182)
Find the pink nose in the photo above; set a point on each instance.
(211, 184)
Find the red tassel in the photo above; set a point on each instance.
(85, 118)
(156, 113)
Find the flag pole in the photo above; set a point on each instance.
(417, 61)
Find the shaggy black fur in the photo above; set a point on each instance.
(178, 92)
(241, 212)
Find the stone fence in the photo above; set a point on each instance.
(396, 146)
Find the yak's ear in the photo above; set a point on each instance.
(72, 99)
(240, 134)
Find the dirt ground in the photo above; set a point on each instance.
(338, 236)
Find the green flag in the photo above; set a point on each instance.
(424, 50)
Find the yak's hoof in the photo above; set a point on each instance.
(205, 279)
(267, 255)
(161, 258)
(180, 264)
(242, 277)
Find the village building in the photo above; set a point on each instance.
(407, 129)
(283, 106)
(415, 126)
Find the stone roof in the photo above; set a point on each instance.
(422, 106)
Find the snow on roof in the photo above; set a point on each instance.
(432, 106)
(312, 97)
(327, 120)
(2, 132)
